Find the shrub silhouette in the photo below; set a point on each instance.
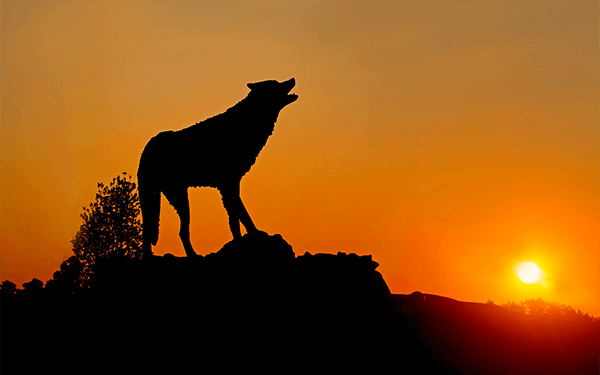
(111, 228)
(216, 153)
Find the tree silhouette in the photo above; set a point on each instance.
(8, 289)
(66, 281)
(111, 227)
(33, 288)
(539, 307)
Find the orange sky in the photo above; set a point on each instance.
(450, 140)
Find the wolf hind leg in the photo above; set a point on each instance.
(150, 207)
(179, 199)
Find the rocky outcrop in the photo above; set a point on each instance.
(253, 305)
(256, 265)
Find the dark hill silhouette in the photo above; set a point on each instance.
(489, 339)
(254, 305)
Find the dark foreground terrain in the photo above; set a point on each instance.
(254, 305)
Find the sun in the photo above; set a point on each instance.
(528, 272)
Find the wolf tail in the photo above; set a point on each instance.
(150, 206)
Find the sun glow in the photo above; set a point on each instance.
(528, 272)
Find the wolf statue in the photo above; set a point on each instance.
(216, 153)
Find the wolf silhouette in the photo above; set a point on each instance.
(216, 152)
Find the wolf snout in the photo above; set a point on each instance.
(289, 84)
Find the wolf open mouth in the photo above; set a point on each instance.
(289, 85)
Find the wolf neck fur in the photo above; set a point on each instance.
(245, 114)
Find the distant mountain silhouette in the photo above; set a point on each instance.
(256, 306)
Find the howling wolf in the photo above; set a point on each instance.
(216, 152)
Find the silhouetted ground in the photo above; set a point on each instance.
(254, 305)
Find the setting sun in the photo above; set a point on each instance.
(528, 272)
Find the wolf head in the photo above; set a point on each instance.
(273, 94)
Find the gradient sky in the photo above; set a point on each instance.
(450, 140)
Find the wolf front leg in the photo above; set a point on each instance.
(236, 211)
(245, 218)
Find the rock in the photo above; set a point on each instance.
(255, 248)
